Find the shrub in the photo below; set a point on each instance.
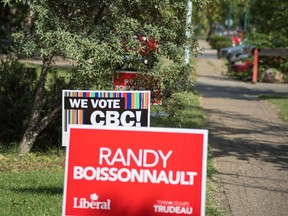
(245, 76)
(17, 90)
(218, 42)
(17, 84)
(51, 136)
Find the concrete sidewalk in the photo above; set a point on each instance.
(250, 143)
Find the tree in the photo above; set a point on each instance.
(218, 11)
(270, 23)
(96, 35)
(16, 94)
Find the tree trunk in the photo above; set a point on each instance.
(35, 122)
(27, 141)
(32, 133)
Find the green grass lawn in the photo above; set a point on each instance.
(281, 104)
(33, 184)
(191, 116)
(59, 70)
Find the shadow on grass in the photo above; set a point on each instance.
(40, 190)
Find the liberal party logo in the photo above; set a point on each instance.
(92, 203)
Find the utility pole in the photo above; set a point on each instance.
(245, 21)
(188, 31)
(246, 16)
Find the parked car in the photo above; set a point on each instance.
(242, 63)
(241, 66)
(231, 51)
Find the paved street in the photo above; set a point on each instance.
(250, 143)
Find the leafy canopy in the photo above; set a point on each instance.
(270, 22)
(96, 35)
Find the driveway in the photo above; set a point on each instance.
(249, 142)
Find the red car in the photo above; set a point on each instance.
(242, 66)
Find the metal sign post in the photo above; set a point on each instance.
(187, 31)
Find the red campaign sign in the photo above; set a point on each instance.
(135, 172)
(127, 80)
(122, 79)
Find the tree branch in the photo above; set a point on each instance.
(47, 119)
(40, 87)
(99, 15)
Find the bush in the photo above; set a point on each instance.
(51, 136)
(218, 42)
(278, 62)
(17, 84)
(5, 42)
(17, 90)
(245, 76)
(272, 40)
